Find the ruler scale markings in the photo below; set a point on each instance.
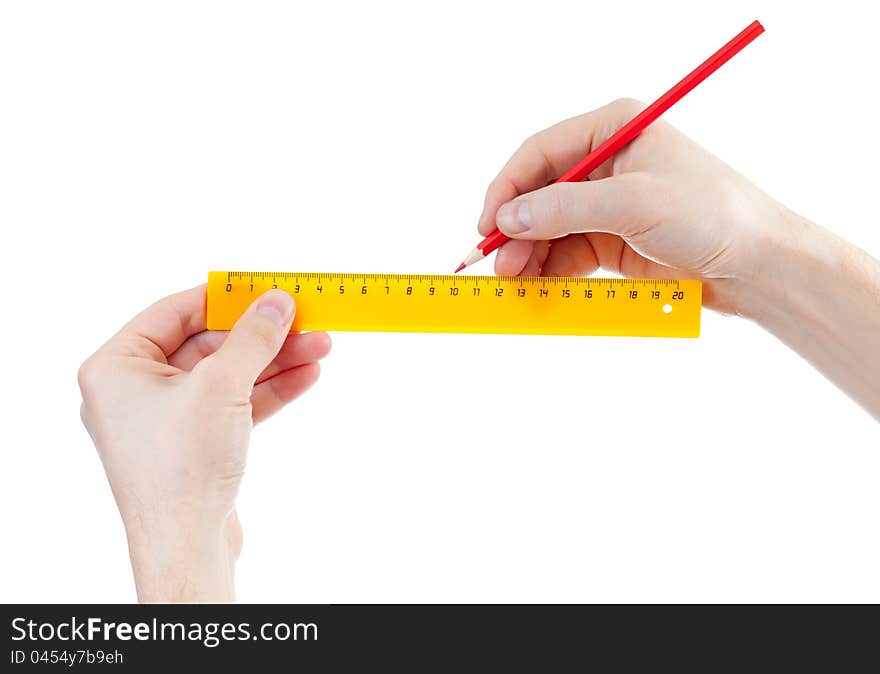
(379, 305)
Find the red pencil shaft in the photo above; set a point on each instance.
(629, 131)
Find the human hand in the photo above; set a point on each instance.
(170, 407)
(662, 207)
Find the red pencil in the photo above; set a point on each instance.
(631, 129)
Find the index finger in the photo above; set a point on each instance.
(548, 154)
(160, 329)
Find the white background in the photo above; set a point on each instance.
(142, 144)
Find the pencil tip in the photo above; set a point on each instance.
(460, 267)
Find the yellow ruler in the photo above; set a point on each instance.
(534, 305)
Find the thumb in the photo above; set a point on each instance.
(254, 341)
(616, 205)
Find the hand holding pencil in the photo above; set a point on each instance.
(641, 176)
(657, 205)
(629, 131)
(662, 208)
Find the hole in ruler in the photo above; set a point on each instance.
(667, 308)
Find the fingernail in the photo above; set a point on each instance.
(514, 217)
(277, 306)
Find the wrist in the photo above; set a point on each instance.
(788, 261)
(193, 564)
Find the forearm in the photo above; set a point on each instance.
(821, 296)
(183, 567)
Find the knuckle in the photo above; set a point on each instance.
(557, 206)
(628, 106)
(530, 144)
(87, 375)
(496, 187)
